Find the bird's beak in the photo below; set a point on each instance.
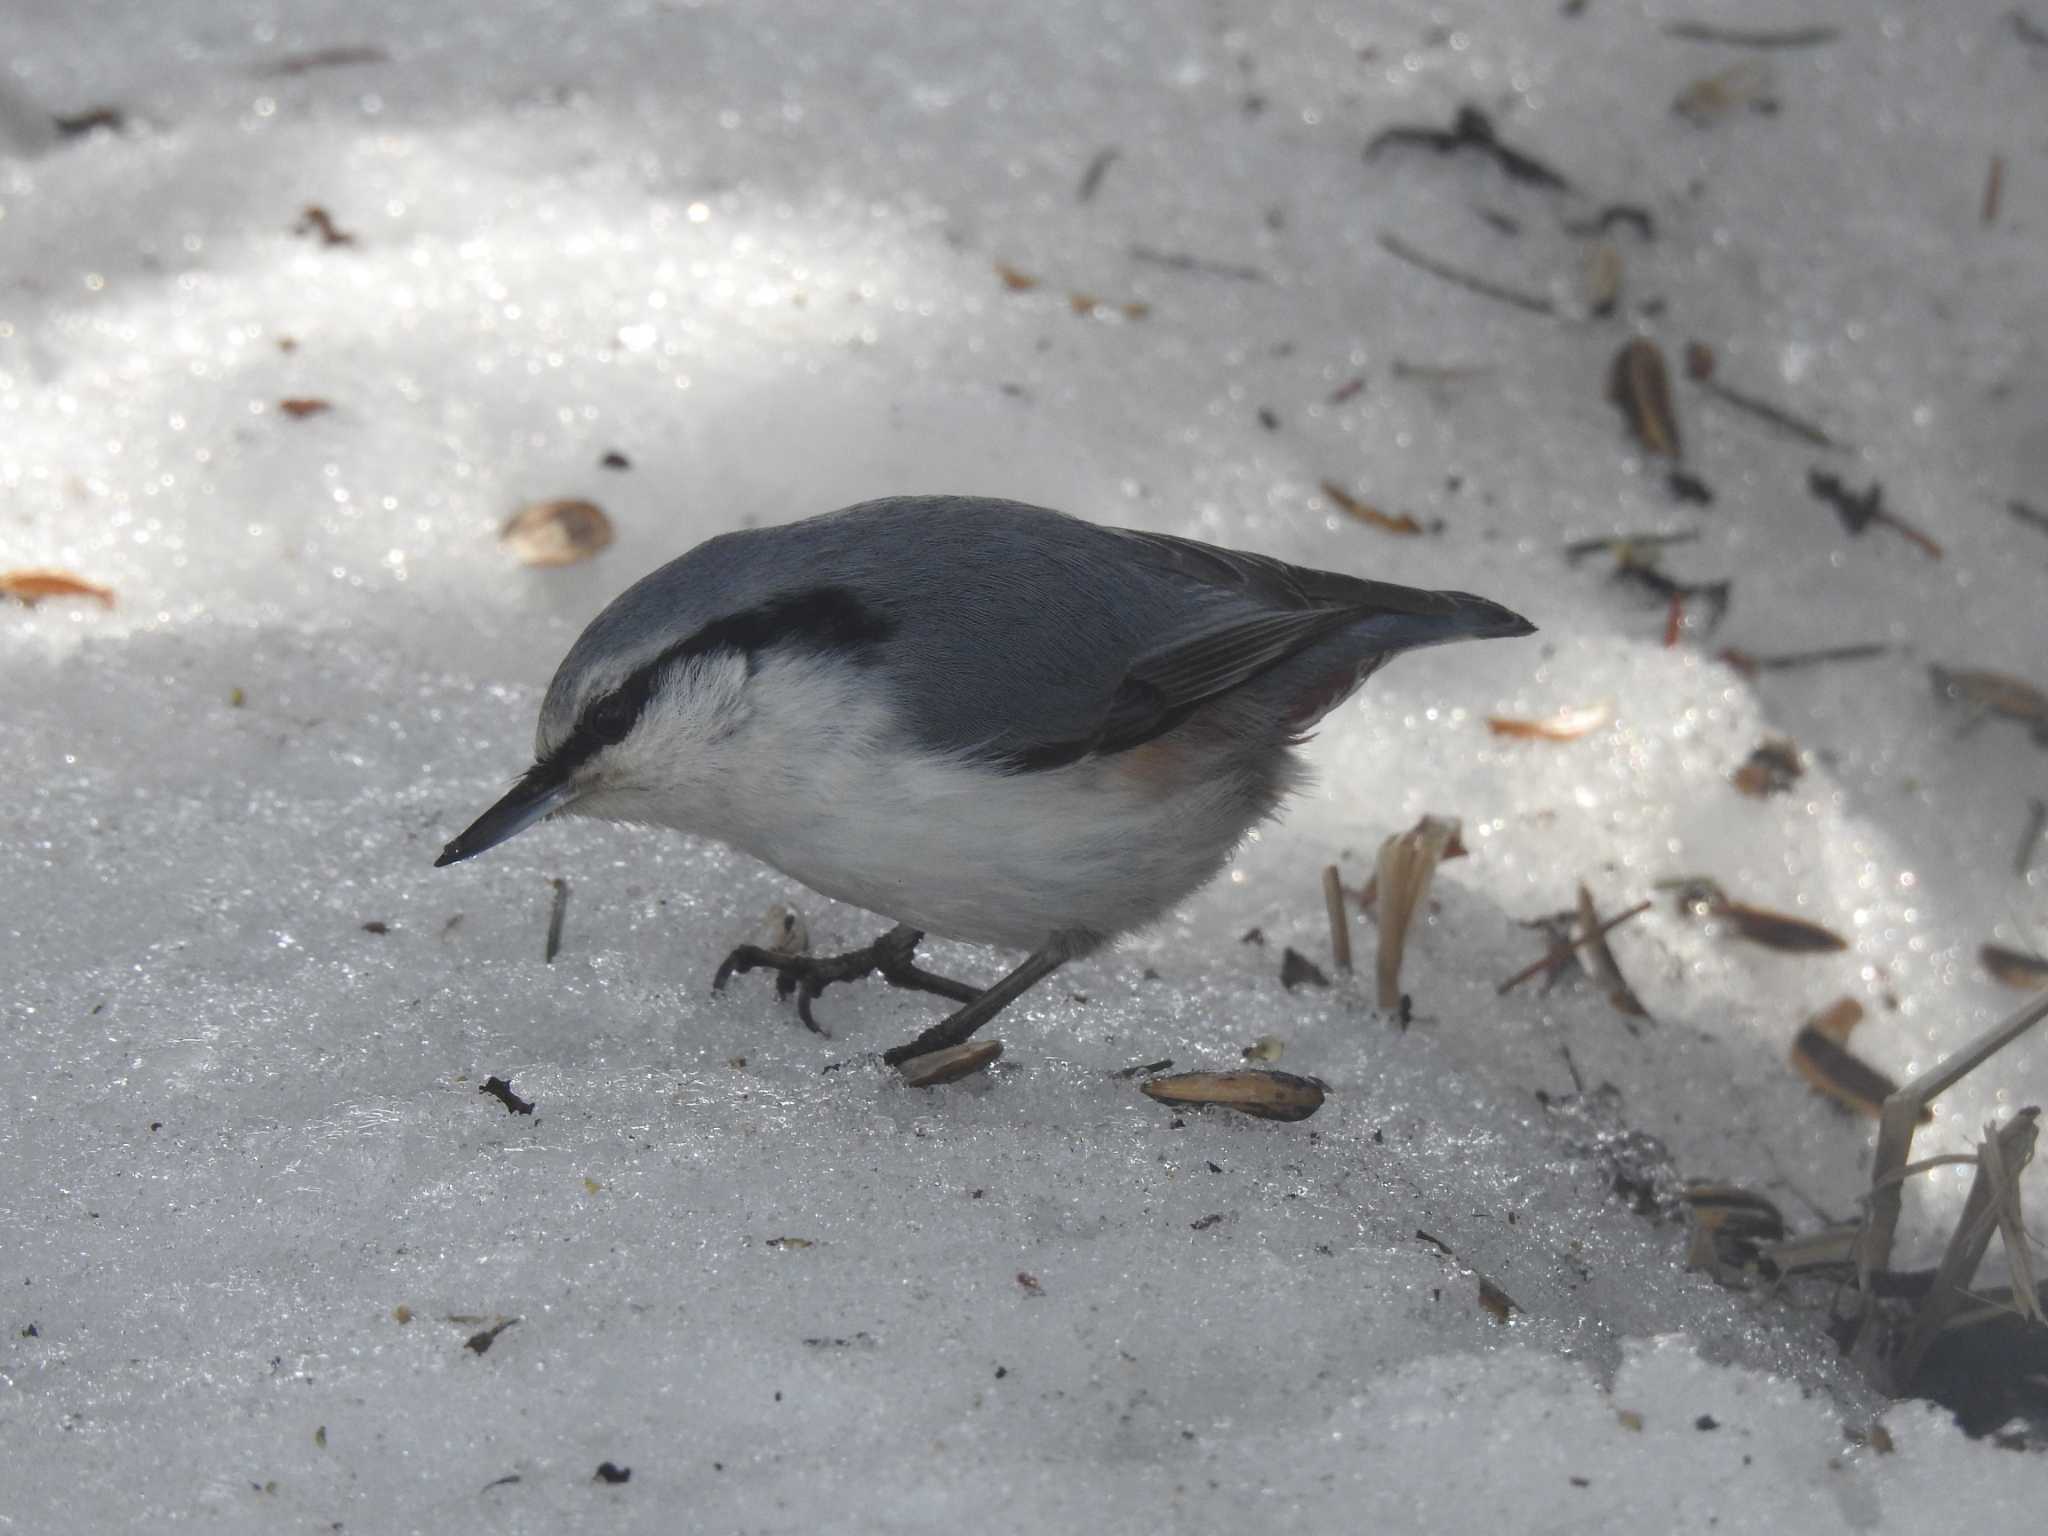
(529, 800)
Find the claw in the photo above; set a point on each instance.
(806, 977)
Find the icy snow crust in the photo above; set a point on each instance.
(754, 248)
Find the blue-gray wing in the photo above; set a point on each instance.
(1225, 619)
(1028, 638)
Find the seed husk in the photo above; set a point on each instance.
(950, 1064)
(2015, 967)
(560, 532)
(1266, 1094)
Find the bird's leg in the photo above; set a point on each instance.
(964, 1022)
(807, 976)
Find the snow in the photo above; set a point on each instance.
(755, 250)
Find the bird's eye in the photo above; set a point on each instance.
(612, 717)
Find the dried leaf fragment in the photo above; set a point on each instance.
(1984, 693)
(1297, 970)
(2015, 967)
(1747, 84)
(481, 1342)
(1014, 280)
(1771, 769)
(316, 220)
(1601, 277)
(1496, 1303)
(1639, 386)
(1565, 725)
(949, 1064)
(299, 407)
(501, 1089)
(29, 587)
(1368, 514)
(550, 533)
(1407, 864)
(1266, 1094)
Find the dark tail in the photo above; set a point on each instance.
(1464, 617)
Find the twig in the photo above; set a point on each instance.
(1091, 179)
(1579, 549)
(1471, 129)
(322, 58)
(1858, 510)
(2037, 822)
(1764, 411)
(1788, 661)
(1563, 948)
(2012, 1228)
(1340, 919)
(1979, 1219)
(1895, 1129)
(1924, 1165)
(1994, 189)
(1742, 37)
(1395, 246)
(1181, 261)
(556, 913)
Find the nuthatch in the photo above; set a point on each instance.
(983, 720)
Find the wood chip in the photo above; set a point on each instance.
(1566, 725)
(1339, 916)
(299, 407)
(1267, 1095)
(1407, 864)
(1639, 386)
(950, 1064)
(551, 533)
(29, 587)
(2015, 967)
(1364, 512)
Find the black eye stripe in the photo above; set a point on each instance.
(824, 619)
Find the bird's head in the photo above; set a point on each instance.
(643, 719)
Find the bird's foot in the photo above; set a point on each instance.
(892, 955)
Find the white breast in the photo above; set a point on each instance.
(809, 783)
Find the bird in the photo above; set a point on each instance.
(979, 719)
